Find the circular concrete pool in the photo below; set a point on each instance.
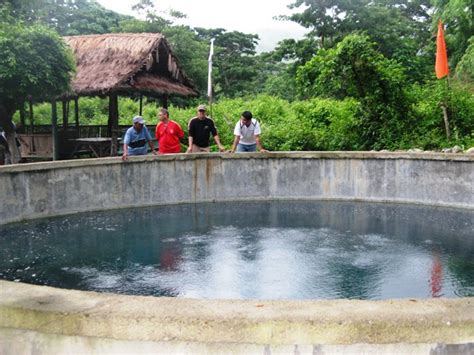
(250, 250)
(432, 242)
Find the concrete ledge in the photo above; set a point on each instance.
(60, 188)
(29, 342)
(279, 155)
(48, 312)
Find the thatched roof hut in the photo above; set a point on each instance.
(119, 64)
(124, 63)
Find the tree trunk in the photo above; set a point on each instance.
(6, 116)
(113, 123)
(76, 116)
(65, 114)
(54, 129)
(30, 106)
(22, 117)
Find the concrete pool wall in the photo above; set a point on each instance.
(44, 320)
(56, 188)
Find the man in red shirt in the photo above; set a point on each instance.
(168, 133)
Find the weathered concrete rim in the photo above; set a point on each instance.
(14, 340)
(78, 163)
(82, 167)
(89, 314)
(86, 166)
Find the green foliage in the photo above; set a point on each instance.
(281, 84)
(191, 52)
(353, 73)
(34, 62)
(315, 124)
(234, 59)
(332, 20)
(295, 53)
(66, 17)
(334, 122)
(401, 28)
(458, 17)
(354, 68)
(323, 17)
(429, 132)
(465, 67)
(319, 124)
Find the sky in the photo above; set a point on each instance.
(248, 16)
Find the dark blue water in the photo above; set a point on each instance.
(265, 250)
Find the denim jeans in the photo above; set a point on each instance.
(246, 148)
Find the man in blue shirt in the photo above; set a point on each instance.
(136, 139)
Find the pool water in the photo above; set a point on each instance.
(250, 250)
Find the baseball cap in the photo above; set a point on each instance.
(138, 119)
(202, 108)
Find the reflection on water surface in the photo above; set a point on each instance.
(258, 250)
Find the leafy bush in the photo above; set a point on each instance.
(355, 69)
(314, 124)
(317, 124)
(430, 132)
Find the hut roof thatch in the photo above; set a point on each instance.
(126, 63)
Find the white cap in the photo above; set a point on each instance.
(138, 119)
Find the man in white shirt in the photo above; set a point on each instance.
(247, 134)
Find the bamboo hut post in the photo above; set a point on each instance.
(76, 116)
(141, 104)
(113, 123)
(30, 103)
(65, 104)
(54, 129)
(22, 116)
(165, 101)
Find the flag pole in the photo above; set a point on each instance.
(209, 76)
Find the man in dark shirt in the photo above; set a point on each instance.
(4, 150)
(200, 129)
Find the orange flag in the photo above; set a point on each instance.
(441, 66)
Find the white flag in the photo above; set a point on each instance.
(209, 76)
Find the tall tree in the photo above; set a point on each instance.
(322, 17)
(295, 52)
(465, 67)
(147, 10)
(401, 28)
(67, 17)
(354, 68)
(458, 17)
(34, 62)
(191, 52)
(234, 59)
